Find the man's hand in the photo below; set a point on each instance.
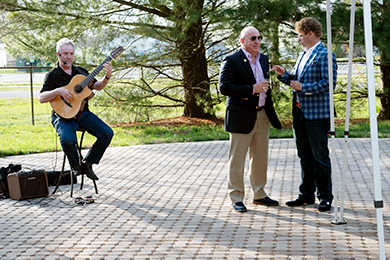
(63, 92)
(296, 85)
(261, 87)
(103, 82)
(108, 69)
(278, 70)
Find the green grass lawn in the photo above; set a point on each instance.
(19, 136)
(26, 139)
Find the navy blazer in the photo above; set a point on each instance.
(236, 80)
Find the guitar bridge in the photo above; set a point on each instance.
(66, 102)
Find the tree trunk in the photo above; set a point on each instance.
(196, 87)
(385, 95)
(196, 83)
(275, 54)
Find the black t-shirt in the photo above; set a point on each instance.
(57, 78)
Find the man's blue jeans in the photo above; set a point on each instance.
(311, 138)
(66, 129)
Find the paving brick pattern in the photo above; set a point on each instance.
(169, 201)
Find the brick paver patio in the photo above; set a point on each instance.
(169, 201)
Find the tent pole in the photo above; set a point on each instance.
(331, 105)
(340, 219)
(378, 202)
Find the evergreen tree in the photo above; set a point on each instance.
(380, 16)
(180, 32)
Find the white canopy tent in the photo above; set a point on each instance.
(378, 203)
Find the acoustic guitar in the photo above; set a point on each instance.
(80, 88)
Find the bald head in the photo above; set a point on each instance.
(247, 30)
(250, 40)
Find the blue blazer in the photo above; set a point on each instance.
(236, 80)
(314, 96)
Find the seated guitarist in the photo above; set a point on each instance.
(60, 77)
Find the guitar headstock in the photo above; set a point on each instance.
(117, 52)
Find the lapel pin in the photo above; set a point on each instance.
(245, 60)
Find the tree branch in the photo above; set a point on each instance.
(164, 12)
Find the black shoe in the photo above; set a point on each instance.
(324, 206)
(299, 202)
(76, 170)
(86, 167)
(267, 201)
(239, 207)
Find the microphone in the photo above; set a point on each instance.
(59, 54)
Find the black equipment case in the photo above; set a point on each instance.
(54, 176)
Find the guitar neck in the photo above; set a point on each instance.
(94, 72)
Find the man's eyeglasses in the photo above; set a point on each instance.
(253, 38)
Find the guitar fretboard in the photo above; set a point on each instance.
(94, 72)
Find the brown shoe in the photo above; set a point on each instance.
(267, 201)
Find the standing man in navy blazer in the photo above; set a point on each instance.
(244, 80)
(311, 114)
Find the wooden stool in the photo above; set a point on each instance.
(82, 130)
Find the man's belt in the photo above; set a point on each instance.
(78, 114)
(75, 117)
(259, 108)
(297, 104)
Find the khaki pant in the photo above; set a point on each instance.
(257, 142)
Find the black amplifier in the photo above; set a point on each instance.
(28, 184)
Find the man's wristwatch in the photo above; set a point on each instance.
(107, 78)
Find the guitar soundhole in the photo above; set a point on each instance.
(78, 88)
